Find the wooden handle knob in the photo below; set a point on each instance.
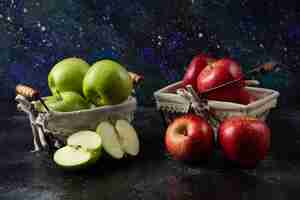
(26, 91)
(136, 78)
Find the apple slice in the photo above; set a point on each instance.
(110, 139)
(72, 158)
(83, 148)
(128, 137)
(88, 140)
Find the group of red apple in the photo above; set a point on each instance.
(205, 72)
(243, 140)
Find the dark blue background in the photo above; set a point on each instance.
(155, 38)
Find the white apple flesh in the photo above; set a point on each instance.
(128, 137)
(110, 139)
(83, 149)
(71, 157)
(88, 140)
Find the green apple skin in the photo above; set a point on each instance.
(107, 83)
(48, 100)
(67, 75)
(67, 102)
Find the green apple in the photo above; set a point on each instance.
(83, 149)
(67, 75)
(128, 137)
(66, 102)
(120, 139)
(107, 83)
(48, 100)
(110, 140)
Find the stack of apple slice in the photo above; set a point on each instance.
(84, 147)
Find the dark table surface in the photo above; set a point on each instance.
(153, 174)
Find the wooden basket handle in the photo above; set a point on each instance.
(27, 91)
(136, 78)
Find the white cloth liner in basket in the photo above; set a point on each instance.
(52, 128)
(167, 100)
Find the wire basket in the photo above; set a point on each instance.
(50, 128)
(171, 103)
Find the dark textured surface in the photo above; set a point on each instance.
(152, 175)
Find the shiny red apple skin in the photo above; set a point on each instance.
(218, 73)
(246, 97)
(244, 140)
(189, 138)
(197, 64)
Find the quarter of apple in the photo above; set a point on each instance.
(110, 140)
(120, 139)
(83, 149)
(128, 137)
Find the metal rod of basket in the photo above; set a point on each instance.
(260, 67)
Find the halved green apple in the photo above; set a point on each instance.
(110, 140)
(83, 149)
(72, 158)
(119, 139)
(128, 137)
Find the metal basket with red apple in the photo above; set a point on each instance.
(215, 104)
(90, 109)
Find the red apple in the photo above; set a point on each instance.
(218, 73)
(189, 137)
(197, 64)
(246, 97)
(244, 140)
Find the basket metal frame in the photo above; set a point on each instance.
(50, 129)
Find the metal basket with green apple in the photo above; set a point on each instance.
(50, 128)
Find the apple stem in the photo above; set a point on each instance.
(185, 132)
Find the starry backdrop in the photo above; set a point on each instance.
(154, 38)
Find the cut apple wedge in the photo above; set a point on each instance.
(83, 148)
(128, 137)
(110, 140)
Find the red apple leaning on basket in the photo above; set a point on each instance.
(218, 73)
(197, 64)
(189, 137)
(244, 140)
